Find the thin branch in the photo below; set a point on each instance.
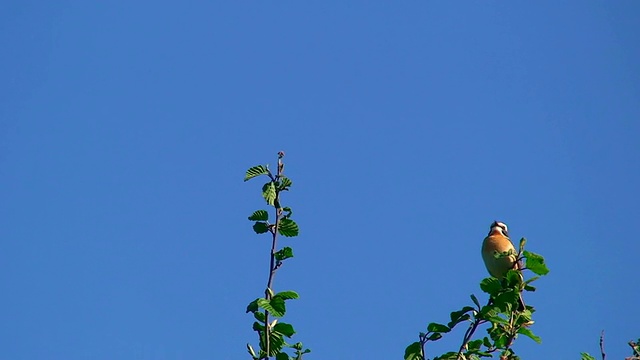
(273, 265)
(423, 341)
(468, 334)
(278, 264)
(471, 330)
(270, 175)
(636, 351)
(602, 345)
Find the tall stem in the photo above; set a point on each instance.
(272, 261)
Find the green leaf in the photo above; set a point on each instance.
(282, 356)
(259, 215)
(501, 341)
(474, 344)
(284, 253)
(523, 241)
(253, 306)
(284, 329)
(276, 306)
(532, 279)
(434, 336)
(435, 327)
(483, 354)
(259, 315)
(255, 171)
(462, 318)
(524, 319)
(492, 313)
(447, 356)
(486, 342)
(507, 300)
(490, 285)
(287, 295)
(251, 351)
(413, 351)
(504, 254)
(497, 320)
(514, 278)
(475, 300)
(285, 183)
(257, 326)
(527, 332)
(288, 228)
(529, 288)
(269, 192)
(586, 356)
(535, 263)
(488, 311)
(277, 343)
(459, 316)
(260, 227)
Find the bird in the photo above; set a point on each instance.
(498, 241)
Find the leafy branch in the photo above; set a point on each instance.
(272, 333)
(501, 313)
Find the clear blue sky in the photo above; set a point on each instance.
(126, 128)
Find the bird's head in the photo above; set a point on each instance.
(500, 228)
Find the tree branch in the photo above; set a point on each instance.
(273, 265)
(602, 345)
(467, 336)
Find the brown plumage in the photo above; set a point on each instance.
(498, 241)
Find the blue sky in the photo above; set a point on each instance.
(126, 128)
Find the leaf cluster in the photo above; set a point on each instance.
(505, 322)
(278, 330)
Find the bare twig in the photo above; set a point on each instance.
(602, 345)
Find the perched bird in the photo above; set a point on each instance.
(498, 241)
